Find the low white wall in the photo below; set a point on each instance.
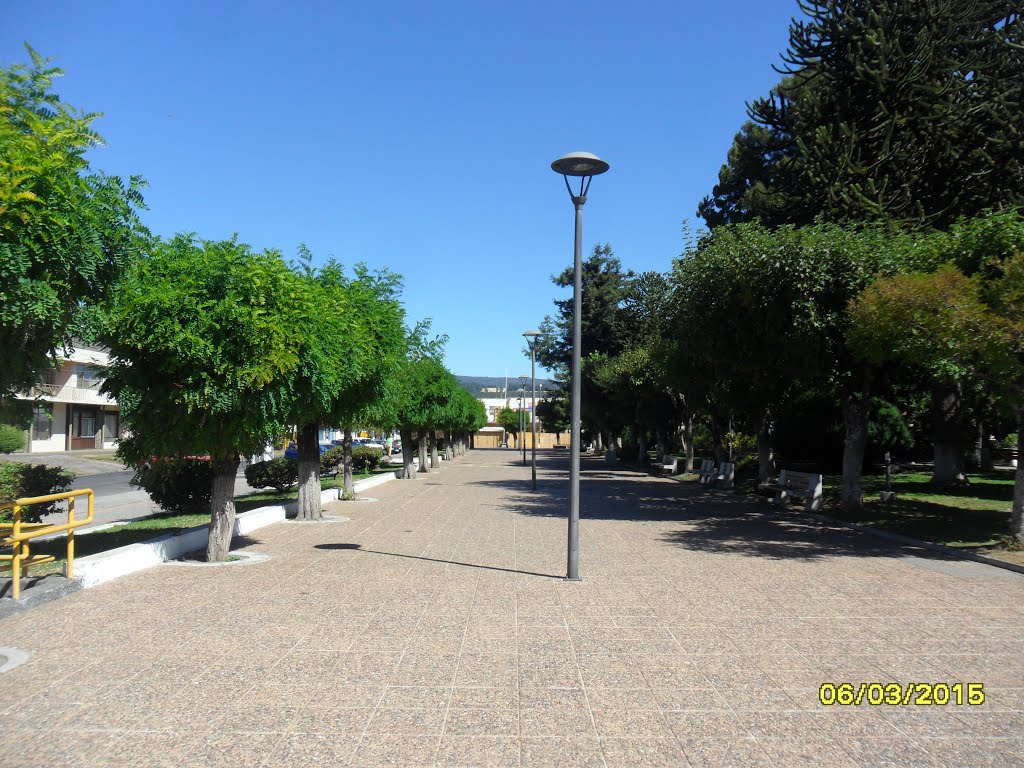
(105, 566)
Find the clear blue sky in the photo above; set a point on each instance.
(418, 136)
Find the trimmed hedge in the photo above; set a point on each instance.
(279, 474)
(11, 438)
(365, 459)
(20, 480)
(178, 485)
(330, 460)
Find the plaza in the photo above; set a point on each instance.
(434, 627)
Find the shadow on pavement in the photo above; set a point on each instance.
(358, 547)
(717, 522)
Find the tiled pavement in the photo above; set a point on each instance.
(433, 628)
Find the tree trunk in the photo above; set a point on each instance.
(717, 436)
(408, 471)
(985, 463)
(348, 489)
(641, 447)
(948, 438)
(765, 454)
(1017, 514)
(659, 446)
(435, 461)
(687, 437)
(222, 509)
(424, 461)
(856, 407)
(309, 473)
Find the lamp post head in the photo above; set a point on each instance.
(583, 165)
(579, 164)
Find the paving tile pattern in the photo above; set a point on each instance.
(433, 629)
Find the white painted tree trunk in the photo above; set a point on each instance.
(310, 507)
(222, 510)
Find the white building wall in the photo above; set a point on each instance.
(58, 431)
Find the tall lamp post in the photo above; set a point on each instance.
(584, 166)
(531, 340)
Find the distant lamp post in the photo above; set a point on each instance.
(531, 340)
(522, 379)
(584, 166)
(522, 422)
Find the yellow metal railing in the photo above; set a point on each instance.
(17, 534)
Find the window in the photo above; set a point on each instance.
(85, 422)
(111, 425)
(89, 376)
(42, 424)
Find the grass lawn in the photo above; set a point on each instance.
(974, 518)
(151, 527)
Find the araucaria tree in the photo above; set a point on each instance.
(205, 342)
(889, 111)
(66, 230)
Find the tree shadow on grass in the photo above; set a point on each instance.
(709, 520)
(358, 548)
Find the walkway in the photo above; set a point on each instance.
(433, 628)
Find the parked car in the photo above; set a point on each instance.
(292, 452)
(361, 441)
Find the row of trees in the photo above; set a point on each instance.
(862, 265)
(215, 347)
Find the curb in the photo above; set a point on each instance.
(102, 567)
(899, 538)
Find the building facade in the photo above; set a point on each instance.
(71, 414)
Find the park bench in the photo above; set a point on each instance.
(801, 485)
(706, 474)
(726, 475)
(669, 464)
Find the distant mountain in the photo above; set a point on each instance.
(494, 386)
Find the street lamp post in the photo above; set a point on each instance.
(522, 420)
(531, 340)
(522, 379)
(584, 166)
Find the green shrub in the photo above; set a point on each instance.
(178, 485)
(366, 459)
(330, 460)
(11, 438)
(20, 480)
(279, 474)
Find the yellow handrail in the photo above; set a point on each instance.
(18, 540)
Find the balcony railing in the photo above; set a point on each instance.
(85, 392)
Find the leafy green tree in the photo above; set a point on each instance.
(756, 302)
(205, 341)
(374, 297)
(602, 332)
(511, 421)
(66, 230)
(553, 412)
(353, 337)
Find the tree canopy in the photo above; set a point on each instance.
(66, 230)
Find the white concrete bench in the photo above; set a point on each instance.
(706, 473)
(726, 475)
(669, 464)
(800, 485)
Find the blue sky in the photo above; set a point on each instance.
(418, 136)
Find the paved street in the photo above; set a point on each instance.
(116, 499)
(433, 628)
